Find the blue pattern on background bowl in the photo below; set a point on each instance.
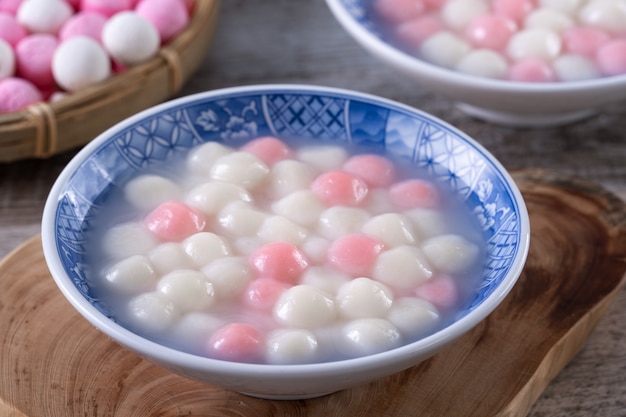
(233, 116)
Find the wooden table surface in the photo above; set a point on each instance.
(298, 41)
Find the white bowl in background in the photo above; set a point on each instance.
(519, 104)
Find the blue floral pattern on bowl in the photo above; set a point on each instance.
(237, 116)
(360, 11)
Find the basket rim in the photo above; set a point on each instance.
(42, 116)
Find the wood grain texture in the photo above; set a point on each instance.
(53, 363)
(298, 41)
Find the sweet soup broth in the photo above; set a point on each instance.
(278, 252)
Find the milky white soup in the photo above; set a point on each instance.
(282, 254)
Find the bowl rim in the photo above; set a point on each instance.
(166, 354)
(412, 64)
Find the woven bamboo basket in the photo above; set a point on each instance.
(46, 129)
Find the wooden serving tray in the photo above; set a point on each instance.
(54, 363)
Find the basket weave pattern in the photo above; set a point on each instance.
(45, 129)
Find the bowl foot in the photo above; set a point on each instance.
(525, 120)
(285, 396)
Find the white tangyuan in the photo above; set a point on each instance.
(458, 14)
(316, 248)
(211, 197)
(402, 268)
(246, 245)
(536, 42)
(427, 222)
(325, 278)
(43, 16)
(188, 289)
(288, 176)
(367, 336)
(146, 192)
(281, 229)
(323, 158)
(168, 257)
(131, 275)
(126, 239)
(302, 207)
(129, 38)
(238, 219)
(205, 247)
(444, 49)
(392, 229)
(571, 67)
(291, 346)
(229, 276)
(194, 329)
(7, 59)
(609, 15)
(339, 221)
(549, 19)
(364, 297)
(303, 306)
(201, 159)
(483, 63)
(450, 253)
(152, 312)
(240, 168)
(413, 316)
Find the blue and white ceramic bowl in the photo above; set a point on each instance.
(518, 104)
(157, 135)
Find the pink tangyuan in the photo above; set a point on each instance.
(355, 254)
(237, 342)
(262, 293)
(414, 193)
(516, 10)
(117, 67)
(10, 29)
(106, 7)
(34, 59)
(174, 221)
(190, 5)
(268, 149)
(375, 170)
(339, 188)
(169, 17)
(531, 70)
(396, 11)
(413, 32)
(584, 40)
(10, 6)
(611, 57)
(88, 24)
(17, 94)
(281, 261)
(74, 3)
(442, 292)
(490, 31)
(435, 4)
